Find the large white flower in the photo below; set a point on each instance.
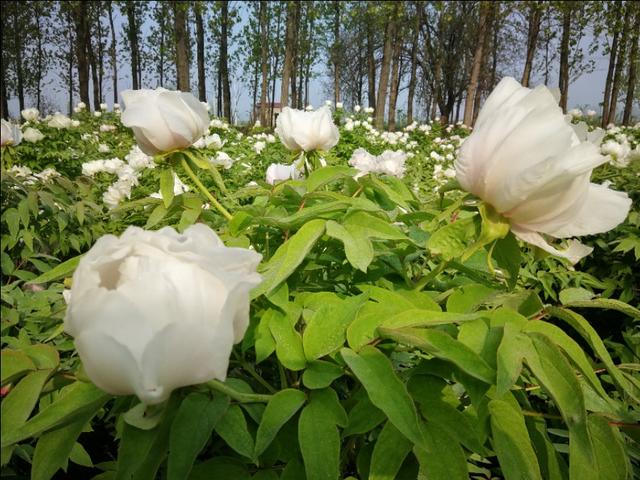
(314, 130)
(388, 163)
(32, 135)
(30, 114)
(154, 311)
(164, 120)
(277, 172)
(10, 134)
(59, 121)
(525, 160)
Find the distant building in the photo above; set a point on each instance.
(275, 108)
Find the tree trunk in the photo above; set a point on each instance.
(40, 55)
(617, 76)
(395, 80)
(387, 53)
(535, 16)
(563, 80)
(477, 64)
(632, 72)
(182, 46)
(224, 61)
(4, 103)
(414, 64)
(94, 75)
(202, 87)
(70, 59)
(82, 38)
(264, 54)
(336, 51)
(294, 58)
(288, 55)
(133, 43)
(18, 59)
(274, 73)
(607, 86)
(371, 67)
(114, 59)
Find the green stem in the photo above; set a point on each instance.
(249, 368)
(428, 278)
(203, 189)
(213, 170)
(237, 396)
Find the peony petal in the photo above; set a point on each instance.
(108, 363)
(602, 210)
(574, 252)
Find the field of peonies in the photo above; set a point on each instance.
(187, 299)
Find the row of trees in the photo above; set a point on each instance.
(442, 57)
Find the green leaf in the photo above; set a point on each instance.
(371, 226)
(320, 374)
(445, 458)
(166, 186)
(232, 427)
(363, 417)
(23, 210)
(14, 364)
(510, 355)
(222, 468)
(607, 304)
(282, 406)
(75, 401)
(507, 253)
(288, 343)
(64, 269)
(452, 239)
(325, 332)
(44, 356)
(80, 456)
(289, 256)
(442, 345)
(191, 429)
(319, 438)
(569, 295)
(357, 247)
(157, 214)
(12, 219)
(609, 449)
(54, 447)
(264, 344)
(386, 390)
(18, 405)
(512, 443)
(582, 326)
(390, 450)
(468, 298)
(323, 176)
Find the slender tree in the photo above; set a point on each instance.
(620, 62)
(633, 69)
(478, 56)
(387, 54)
(202, 87)
(535, 17)
(182, 45)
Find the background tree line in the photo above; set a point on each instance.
(441, 58)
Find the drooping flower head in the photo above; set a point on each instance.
(528, 163)
(307, 131)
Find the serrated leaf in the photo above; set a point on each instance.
(282, 406)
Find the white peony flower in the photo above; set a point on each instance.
(32, 135)
(277, 172)
(369, 110)
(388, 163)
(103, 106)
(10, 134)
(107, 128)
(30, 114)
(222, 158)
(308, 108)
(527, 162)
(339, 105)
(307, 131)
(138, 160)
(357, 108)
(20, 171)
(81, 106)
(97, 114)
(75, 123)
(47, 174)
(59, 121)
(154, 311)
(591, 113)
(575, 113)
(178, 188)
(164, 120)
(103, 148)
(259, 146)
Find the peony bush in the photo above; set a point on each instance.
(183, 298)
